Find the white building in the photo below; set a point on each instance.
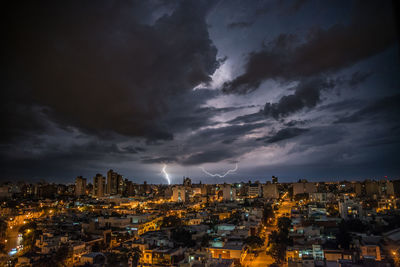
(254, 190)
(228, 193)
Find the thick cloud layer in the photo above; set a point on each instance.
(97, 67)
(290, 57)
(297, 89)
(307, 95)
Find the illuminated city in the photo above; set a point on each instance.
(239, 224)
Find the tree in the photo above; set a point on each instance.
(254, 242)
(2, 248)
(171, 221)
(277, 246)
(284, 224)
(3, 229)
(205, 240)
(62, 254)
(279, 240)
(136, 255)
(343, 237)
(183, 237)
(277, 252)
(302, 196)
(28, 226)
(268, 213)
(355, 225)
(236, 218)
(113, 259)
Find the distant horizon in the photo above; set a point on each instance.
(207, 180)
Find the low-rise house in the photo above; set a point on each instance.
(229, 250)
(93, 258)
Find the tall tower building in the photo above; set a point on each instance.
(121, 185)
(115, 183)
(99, 185)
(80, 186)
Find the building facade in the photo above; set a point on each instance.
(99, 185)
(80, 186)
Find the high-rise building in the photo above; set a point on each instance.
(396, 188)
(228, 193)
(130, 188)
(99, 185)
(254, 190)
(386, 188)
(304, 187)
(359, 189)
(274, 179)
(115, 183)
(80, 186)
(371, 188)
(270, 191)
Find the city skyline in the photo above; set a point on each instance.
(296, 89)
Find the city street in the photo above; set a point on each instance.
(263, 259)
(13, 240)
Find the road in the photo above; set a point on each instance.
(262, 259)
(13, 240)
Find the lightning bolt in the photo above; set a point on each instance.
(219, 175)
(165, 173)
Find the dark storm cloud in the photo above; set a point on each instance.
(190, 112)
(297, 4)
(44, 160)
(248, 118)
(233, 131)
(343, 105)
(240, 24)
(321, 136)
(283, 7)
(127, 85)
(209, 156)
(133, 149)
(307, 95)
(384, 109)
(391, 138)
(98, 68)
(370, 31)
(148, 160)
(209, 145)
(286, 133)
(358, 78)
(21, 121)
(293, 123)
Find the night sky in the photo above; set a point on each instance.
(296, 89)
